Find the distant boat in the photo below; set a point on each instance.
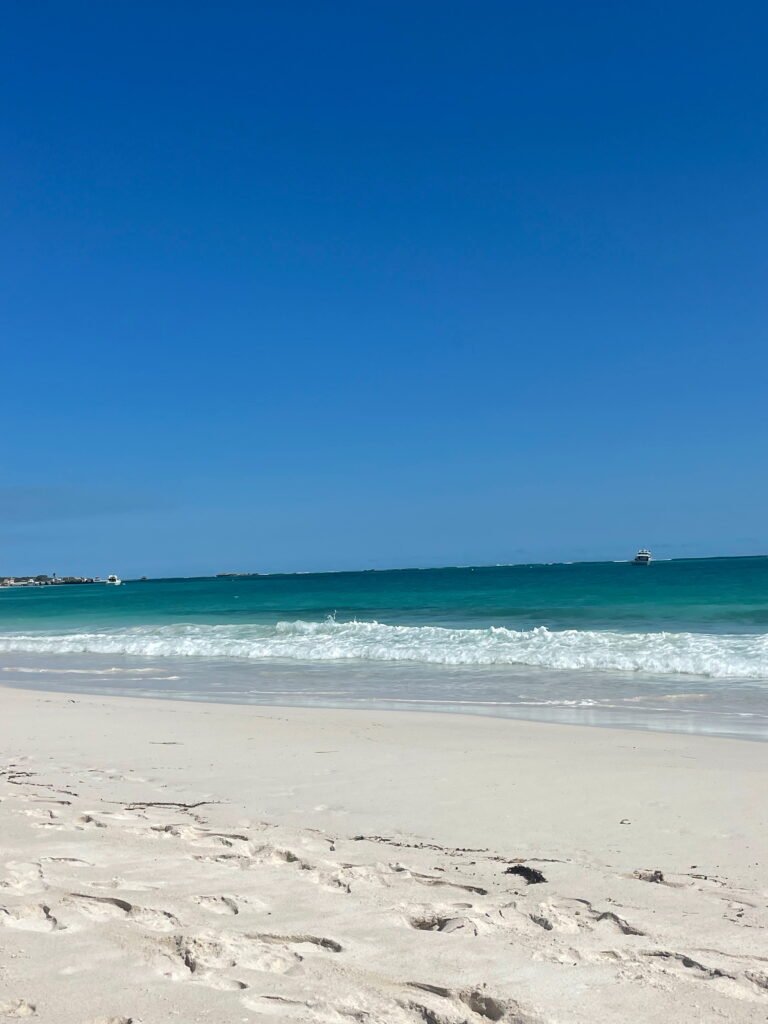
(643, 557)
(115, 581)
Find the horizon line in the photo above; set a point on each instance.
(434, 568)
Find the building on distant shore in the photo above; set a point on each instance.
(46, 581)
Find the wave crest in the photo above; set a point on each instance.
(718, 656)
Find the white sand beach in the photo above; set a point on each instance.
(165, 860)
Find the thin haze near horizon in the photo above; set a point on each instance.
(307, 287)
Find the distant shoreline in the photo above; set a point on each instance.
(14, 582)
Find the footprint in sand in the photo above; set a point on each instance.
(32, 917)
(420, 1003)
(17, 1008)
(303, 1011)
(234, 951)
(235, 841)
(330, 945)
(228, 860)
(202, 957)
(389, 875)
(88, 821)
(101, 908)
(578, 914)
(437, 919)
(218, 904)
(41, 814)
(112, 1020)
(24, 876)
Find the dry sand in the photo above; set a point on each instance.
(203, 863)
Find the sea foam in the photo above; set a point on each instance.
(743, 656)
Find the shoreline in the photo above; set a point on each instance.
(420, 709)
(511, 693)
(324, 865)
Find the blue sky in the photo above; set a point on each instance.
(316, 286)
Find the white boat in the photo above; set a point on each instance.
(115, 581)
(643, 557)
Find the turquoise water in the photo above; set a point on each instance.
(588, 635)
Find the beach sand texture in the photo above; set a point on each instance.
(201, 863)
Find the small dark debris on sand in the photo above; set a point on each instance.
(532, 875)
(143, 805)
(455, 851)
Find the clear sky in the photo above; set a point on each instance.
(329, 285)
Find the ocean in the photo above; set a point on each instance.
(679, 645)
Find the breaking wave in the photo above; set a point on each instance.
(742, 656)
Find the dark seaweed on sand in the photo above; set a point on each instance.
(532, 875)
